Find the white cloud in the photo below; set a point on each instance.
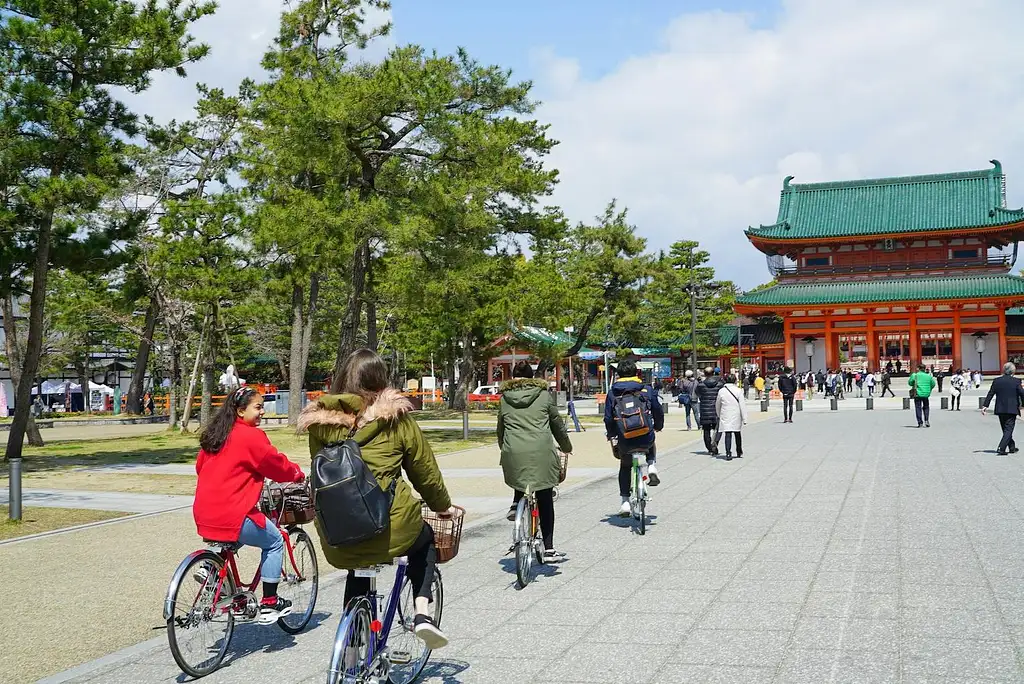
(696, 137)
(238, 34)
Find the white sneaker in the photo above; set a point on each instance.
(652, 475)
(625, 510)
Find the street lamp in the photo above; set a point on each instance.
(809, 351)
(979, 346)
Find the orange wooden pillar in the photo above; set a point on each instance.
(1003, 354)
(958, 353)
(872, 345)
(915, 342)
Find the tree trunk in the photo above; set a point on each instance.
(13, 351)
(206, 406)
(296, 372)
(30, 362)
(190, 396)
(372, 341)
(353, 311)
(449, 368)
(307, 332)
(136, 387)
(82, 369)
(466, 373)
(174, 396)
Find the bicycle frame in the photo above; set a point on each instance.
(379, 629)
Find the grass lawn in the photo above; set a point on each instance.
(171, 447)
(36, 520)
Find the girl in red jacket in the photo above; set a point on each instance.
(235, 458)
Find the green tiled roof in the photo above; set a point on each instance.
(897, 290)
(537, 335)
(764, 333)
(946, 201)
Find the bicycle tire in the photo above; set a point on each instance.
(641, 503)
(351, 644)
(522, 540)
(211, 563)
(305, 555)
(409, 674)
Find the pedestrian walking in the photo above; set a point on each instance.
(732, 416)
(759, 385)
(811, 384)
(956, 390)
(820, 379)
(707, 393)
(787, 386)
(869, 382)
(939, 375)
(688, 399)
(859, 379)
(921, 385)
(887, 383)
(977, 379)
(1009, 396)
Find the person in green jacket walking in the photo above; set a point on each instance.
(390, 441)
(528, 427)
(922, 383)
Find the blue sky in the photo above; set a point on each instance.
(601, 33)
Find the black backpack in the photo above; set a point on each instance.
(350, 505)
(632, 412)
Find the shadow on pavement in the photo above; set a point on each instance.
(634, 525)
(447, 669)
(539, 570)
(251, 638)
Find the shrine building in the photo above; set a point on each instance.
(894, 271)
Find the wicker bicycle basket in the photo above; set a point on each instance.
(563, 464)
(447, 531)
(297, 507)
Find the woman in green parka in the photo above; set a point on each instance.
(527, 421)
(390, 442)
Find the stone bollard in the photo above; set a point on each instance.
(981, 402)
(944, 403)
(869, 403)
(799, 404)
(764, 406)
(906, 403)
(600, 408)
(835, 404)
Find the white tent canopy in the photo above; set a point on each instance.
(61, 387)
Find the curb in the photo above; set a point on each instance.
(86, 526)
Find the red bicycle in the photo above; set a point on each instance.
(206, 596)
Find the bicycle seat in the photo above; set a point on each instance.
(223, 546)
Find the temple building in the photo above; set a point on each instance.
(894, 271)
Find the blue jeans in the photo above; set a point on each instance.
(692, 407)
(270, 540)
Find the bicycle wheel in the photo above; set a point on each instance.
(352, 645)
(199, 632)
(301, 592)
(523, 541)
(408, 654)
(641, 498)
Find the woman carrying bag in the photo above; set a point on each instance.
(732, 416)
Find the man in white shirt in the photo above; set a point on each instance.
(869, 381)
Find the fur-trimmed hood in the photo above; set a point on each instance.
(340, 410)
(522, 392)
(523, 383)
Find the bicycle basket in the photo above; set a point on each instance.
(563, 462)
(297, 506)
(447, 531)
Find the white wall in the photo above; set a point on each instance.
(799, 355)
(991, 363)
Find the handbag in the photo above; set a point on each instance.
(913, 387)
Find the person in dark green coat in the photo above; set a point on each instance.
(922, 383)
(390, 442)
(528, 427)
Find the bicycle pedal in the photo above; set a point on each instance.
(400, 657)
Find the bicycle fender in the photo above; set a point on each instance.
(178, 575)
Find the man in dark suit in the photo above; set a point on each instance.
(1009, 396)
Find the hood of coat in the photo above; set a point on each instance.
(711, 382)
(522, 392)
(342, 410)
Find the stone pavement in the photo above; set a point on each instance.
(848, 547)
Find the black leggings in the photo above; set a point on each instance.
(710, 436)
(626, 469)
(546, 509)
(787, 406)
(739, 443)
(422, 566)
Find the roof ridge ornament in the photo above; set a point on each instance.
(998, 167)
(786, 181)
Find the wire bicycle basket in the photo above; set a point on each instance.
(447, 531)
(563, 465)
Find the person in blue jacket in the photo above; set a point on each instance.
(629, 381)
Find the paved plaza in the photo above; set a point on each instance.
(847, 547)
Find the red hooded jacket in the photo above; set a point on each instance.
(231, 481)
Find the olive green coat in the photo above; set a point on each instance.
(528, 427)
(391, 442)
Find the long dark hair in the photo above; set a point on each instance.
(216, 432)
(365, 374)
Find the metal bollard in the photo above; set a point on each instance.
(764, 406)
(981, 402)
(14, 489)
(835, 404)
(906, 403)
(944, 403)
(869, 403)
(799, 404)
(465, 424)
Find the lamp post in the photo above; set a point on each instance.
(809, 351)
(979, 346)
